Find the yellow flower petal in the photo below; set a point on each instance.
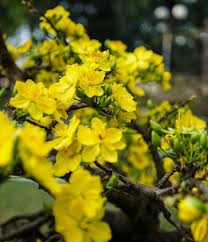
(99, 231)
(112, 135)
(66, 162)
(86, 136)
(90, 153)
(109, 155)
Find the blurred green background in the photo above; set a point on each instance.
(176, 29)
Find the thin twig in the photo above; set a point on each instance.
(76, 106)
(37, 124)
(11, 69)
(20, 217)
(54, 237)
(26, 228)
(200, 185)
(166, 177)
(48, 128)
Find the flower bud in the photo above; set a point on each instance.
(199, 229)
(107, 90)
(156, 127)
(2, 92)
(203, 140)
(190, 208)
(194, 137)
(113, 182)
(150, 104)
(156, 139)
(177, 145)
(113, 65)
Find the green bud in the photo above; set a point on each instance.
(113, 65)
(171, 141)
(107, 90)
(150, 104)
(107, 101)
(196, 202)
(106, 42)
(203, 140)
(156, 139)
(2, 92)
(177, 145)
(80, 93)
(156, 127)
(113, 182)
(194, 137)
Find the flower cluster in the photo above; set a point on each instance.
(78, 207)
(107, 78)
(77, 111)
(186, 142)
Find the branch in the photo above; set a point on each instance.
(25, 228)
(11, 69)
(55, 237)
(166, 177)
(48, 128)
(131, 187)
(20, 217)
(139, 194)
(76, 106)
(200, 185)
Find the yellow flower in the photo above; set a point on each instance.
(72, 74)
(85, 46)
(33, 98)
(33, 149)
(187, 121)
(123, 97)
(64, 90)
(41, 169)
(63, 93)
(135, 89)
(97, 59)
(67, 159)
(16, 52)
(48, 46)
(100, 142)
(56, 16)
(168, 164)
(165, 143)
(24, 47)
(44, 25)
(199, 229)
(7, 137)
(190, 209)
(88, 189)
(65, 133)
(33, 142)
(116, 45)
(90, 81)
(78, 209)
(57, 12)
(74, 226)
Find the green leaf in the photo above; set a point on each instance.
(21, 196)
